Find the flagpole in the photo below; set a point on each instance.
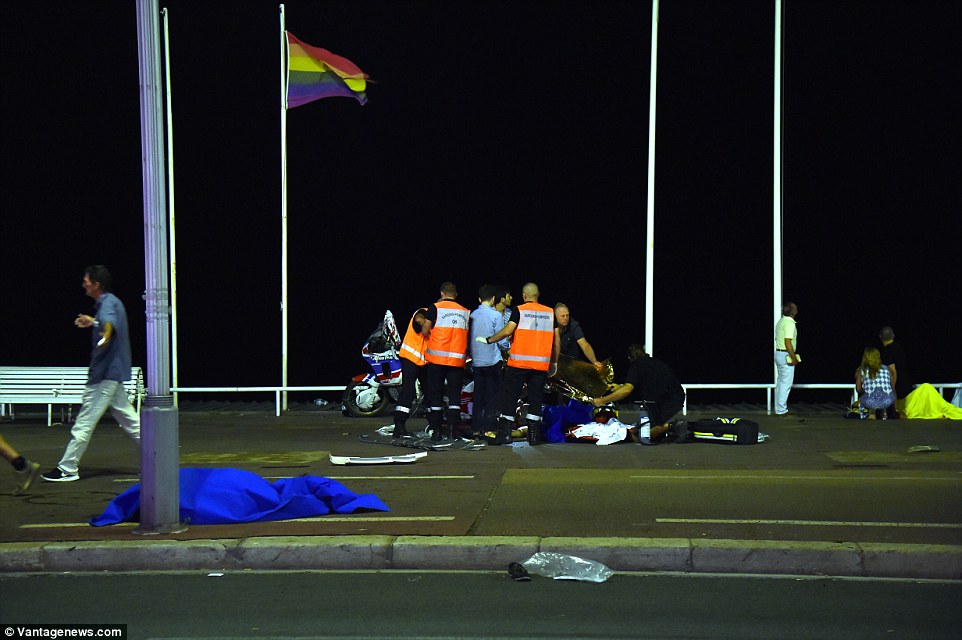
(650, 233)
(777, 245)
(283, 209)
(170, 204)
(159, 431)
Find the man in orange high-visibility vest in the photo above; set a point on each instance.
(533, 356)
(446, 328)
(412, 372)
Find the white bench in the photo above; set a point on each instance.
(55, 385)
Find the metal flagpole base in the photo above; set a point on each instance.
(161, 530)
(159, 452)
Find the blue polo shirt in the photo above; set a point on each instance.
(485, 322)
(112, 361)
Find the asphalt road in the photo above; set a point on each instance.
(817, 478)
(421, 604)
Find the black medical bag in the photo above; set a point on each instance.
(731, 430)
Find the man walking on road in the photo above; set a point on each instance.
(110, 365)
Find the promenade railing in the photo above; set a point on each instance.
(769, 389)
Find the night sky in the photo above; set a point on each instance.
(503, 142)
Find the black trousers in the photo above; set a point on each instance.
(512, 386)
(444, 381)
(411, 374)
(487, 384)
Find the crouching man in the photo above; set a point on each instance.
(652, 381)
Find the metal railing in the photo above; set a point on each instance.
(768, 387)
(769, 390)
(276, 390)
(942, 386)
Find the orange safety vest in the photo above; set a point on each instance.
(448, 342)
(412, 347)
(533, 339)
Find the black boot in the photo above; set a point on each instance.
(400, 431)
(502, 432)
(434, 421)
(455, 428)
(535, 436)
(680, 431)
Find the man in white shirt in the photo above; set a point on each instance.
(786, 339)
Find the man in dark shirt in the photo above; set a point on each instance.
(653, 381)
(893, 356)
(572, 338)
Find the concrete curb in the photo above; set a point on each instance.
(477, 552)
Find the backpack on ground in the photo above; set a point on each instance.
(729, 430)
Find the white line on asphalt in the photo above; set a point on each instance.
(57, 525)
(813, 523)
(400, 477)
(130, 480)
(322, 519)
(375, 519)
(771, 478)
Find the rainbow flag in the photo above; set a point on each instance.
(314, 73)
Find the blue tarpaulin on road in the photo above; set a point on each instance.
(556, 419)
(228, 496)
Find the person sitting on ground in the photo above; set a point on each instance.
(653, 381)
(873, 383)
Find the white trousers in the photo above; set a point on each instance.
(97, 398)
(783, 382)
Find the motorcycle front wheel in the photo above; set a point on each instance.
(364, 401)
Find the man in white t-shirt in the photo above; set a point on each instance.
(786, 339)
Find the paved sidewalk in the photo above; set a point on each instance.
(825, 496)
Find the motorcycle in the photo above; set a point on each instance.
(370, 394)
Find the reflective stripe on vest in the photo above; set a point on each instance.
(531, 347)
(412, 348)
(448, 343)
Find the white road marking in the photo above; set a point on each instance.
(400, 477)
(812, 523)
(374, 519)
(321, 519)
(771, 478)
(132, 480)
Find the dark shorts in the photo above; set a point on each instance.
(663, 411)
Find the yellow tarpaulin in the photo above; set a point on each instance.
(927, 403)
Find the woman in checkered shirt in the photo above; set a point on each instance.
(873, 383)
